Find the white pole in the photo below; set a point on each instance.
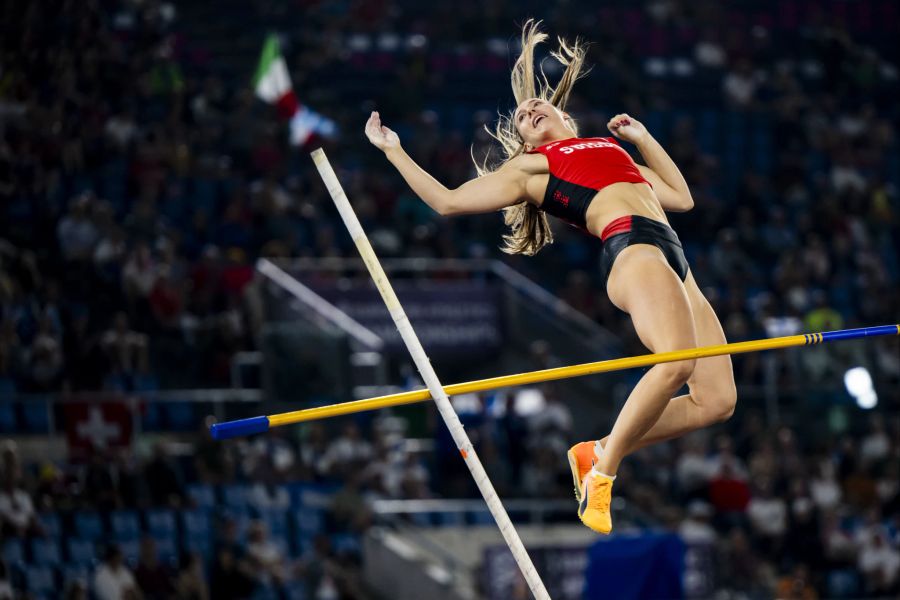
(431, 380)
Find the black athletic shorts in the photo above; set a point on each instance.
(633, 229)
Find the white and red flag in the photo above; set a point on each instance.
(273, 86)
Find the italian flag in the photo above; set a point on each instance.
(273, 86)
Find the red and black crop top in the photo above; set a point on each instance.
(579, 168)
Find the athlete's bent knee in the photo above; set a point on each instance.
(677, 373)
(720, 404)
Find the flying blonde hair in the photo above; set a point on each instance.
(529, 227)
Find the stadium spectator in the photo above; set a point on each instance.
(17, 512)
(265, 557)
(191, 581)
(125, 348)
(696, 528)
(162, 479)
(153, 579)
(768, 517)
(113, 580)
(231, 575)
(6, 589)
(346, 452)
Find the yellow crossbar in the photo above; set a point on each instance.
(591, 368)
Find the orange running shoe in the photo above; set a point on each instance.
(594, 507)
(581, 459)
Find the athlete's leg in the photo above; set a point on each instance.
(644, 285)
(712, 391)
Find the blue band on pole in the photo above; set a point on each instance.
(850, 334)
(223, 431)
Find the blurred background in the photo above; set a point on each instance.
(169, 257)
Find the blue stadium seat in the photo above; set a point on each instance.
(8, 421)
(346, 543)
(201, 545)
(40, 581)
(161, 523)
(13, 551)
(125, 525)
(423, 519)
(36, 417)
(309, 521)
(195, 524)
(167, 549)
(180, 416)
(51, 524)
(203, 496)
(88, 525)
(481, 517)
(312, 495)
(276, 521)
(145, 382)
(131, 551)
(115, 382)
(82, 553)
(151, 417)
(450, 519)
(72, 573)
(235, 497)
(45, 552)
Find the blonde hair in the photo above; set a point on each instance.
(529, 227)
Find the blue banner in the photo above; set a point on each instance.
(450, 318)
(645, 567)
(640, 567)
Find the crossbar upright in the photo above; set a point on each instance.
(451, 419)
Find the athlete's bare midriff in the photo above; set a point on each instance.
(621, 199)
(613, 201)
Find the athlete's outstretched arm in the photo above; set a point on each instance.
(489, 193)
(661, 171)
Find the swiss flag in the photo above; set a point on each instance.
(97, 427)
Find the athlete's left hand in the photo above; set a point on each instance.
(627, 128)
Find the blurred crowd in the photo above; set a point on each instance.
(140, 179)
(775, 511)
(271, 518)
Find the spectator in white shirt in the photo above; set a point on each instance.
(113, 580)
(695, 529)
(16, 508)
(880, 564)
(347, 451)
(768, 515)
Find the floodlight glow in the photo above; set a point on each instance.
(858, 382)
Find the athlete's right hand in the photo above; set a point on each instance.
(381, 137)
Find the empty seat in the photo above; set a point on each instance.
(201, 545)
(8, 421)
(13, 551)
(40, 581)
(309, 521)
(88, 525)
(45, 552)
(195, 524)
(51, 524)
(450, 519)
(131, 551)
(202, 495)
(70, 573)
(125, 525)
(160, 523)
(167, 549)
(81, 552)
(235, 497)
